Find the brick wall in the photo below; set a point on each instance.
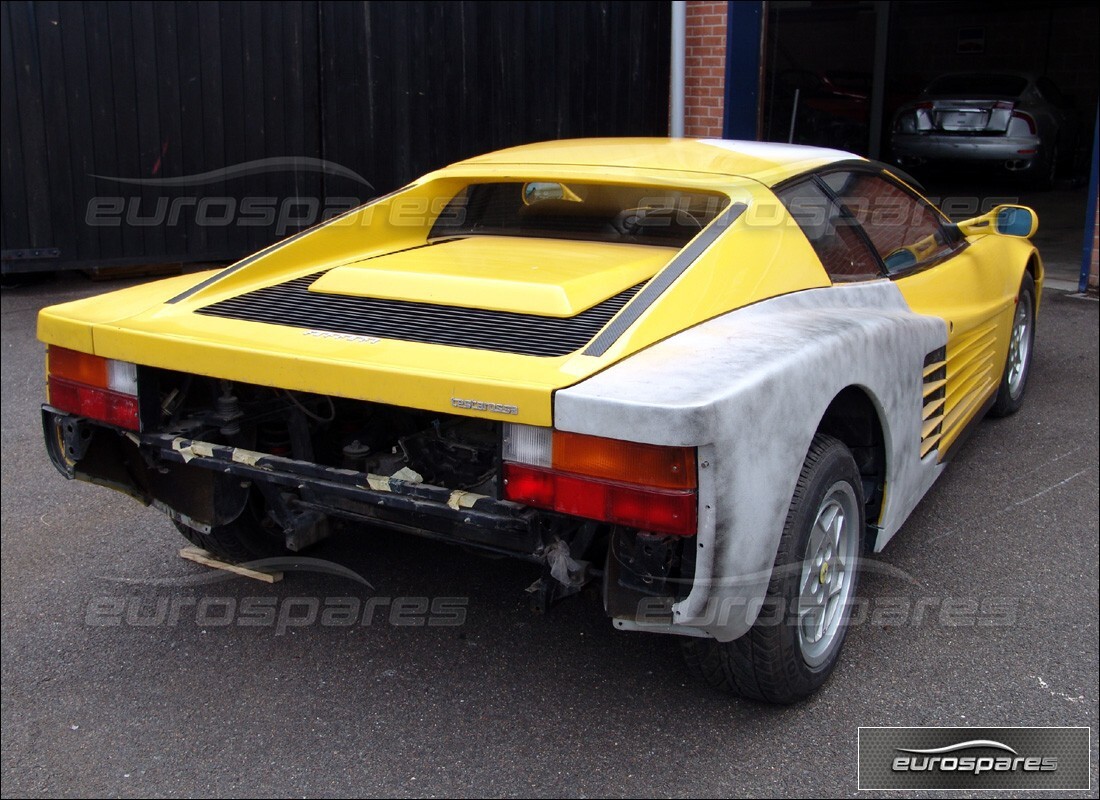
(704, 68)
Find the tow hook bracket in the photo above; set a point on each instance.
(306, 528)
(302, 527)
(562, 576)
(76, 435)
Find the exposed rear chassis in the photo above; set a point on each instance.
(431, 511)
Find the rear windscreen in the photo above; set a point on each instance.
(978, 85)
(651, 215)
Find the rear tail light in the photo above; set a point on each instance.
(90, 386)
(1027, 120)
(639, 485)
(917, 118)
(906, 122)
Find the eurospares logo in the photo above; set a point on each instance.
(950, 759)
(974, 758)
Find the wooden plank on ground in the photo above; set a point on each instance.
(200, 556)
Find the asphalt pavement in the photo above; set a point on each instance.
(128, 671)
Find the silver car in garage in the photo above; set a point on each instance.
(1011, 121)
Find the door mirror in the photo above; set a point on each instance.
(1016, 221)
(541, 191)
(1005, 220)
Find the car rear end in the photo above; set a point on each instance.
(407, 386)
(215, 455)
(970, 118)
(406, 375)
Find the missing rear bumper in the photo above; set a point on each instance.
(208, 482)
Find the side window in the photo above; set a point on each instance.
(905, 231)
(832, 234)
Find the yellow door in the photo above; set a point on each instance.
(970, 293)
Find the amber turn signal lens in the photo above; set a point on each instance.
(82, 368)
(628, 462)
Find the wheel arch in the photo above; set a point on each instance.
(1034, 268)
(855, 418)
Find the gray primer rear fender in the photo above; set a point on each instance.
(749, 389)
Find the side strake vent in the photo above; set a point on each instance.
(935, 395)
(292, 304)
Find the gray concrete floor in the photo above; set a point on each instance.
(511, 703)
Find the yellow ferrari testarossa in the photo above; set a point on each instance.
(708, 374)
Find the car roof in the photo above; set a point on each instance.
(1031, 76)
(767, 162)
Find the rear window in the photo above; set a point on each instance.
(978, 85)
(651, 215)
(831, 233)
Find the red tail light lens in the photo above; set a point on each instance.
(1028, 119)
(101, 404)
(659, 510)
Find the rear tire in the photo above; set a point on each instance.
(250, 537)
(795, 644)
(1010, 395)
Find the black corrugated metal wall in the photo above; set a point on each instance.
(97, 95)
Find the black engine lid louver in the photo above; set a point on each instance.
(292, 304)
